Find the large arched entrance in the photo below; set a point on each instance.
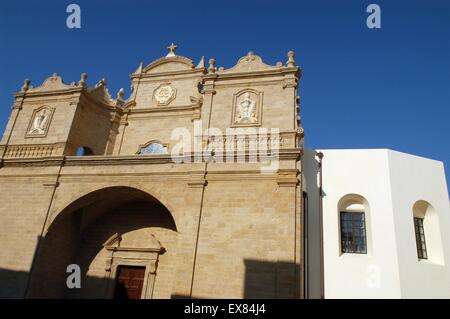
(121, 237)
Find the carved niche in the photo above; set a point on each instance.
(164, 94)
(40, 122)
(247, 108)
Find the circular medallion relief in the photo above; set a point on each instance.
(164, 94)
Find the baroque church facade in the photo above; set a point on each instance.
(189, 188)
(198, 186)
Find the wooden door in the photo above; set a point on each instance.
(129, 283)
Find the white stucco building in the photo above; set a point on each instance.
(386, 225)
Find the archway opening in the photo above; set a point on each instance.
(102, 232)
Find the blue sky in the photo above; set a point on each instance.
(361, 88)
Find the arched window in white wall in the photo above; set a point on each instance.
(427, 232)
(152, 148)
(352, 211)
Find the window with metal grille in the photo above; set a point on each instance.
(420, 238)
(353, 233)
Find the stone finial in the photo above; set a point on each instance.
(290, 62)
(250, 56)
(121, 93)
(172, 47)
(102, 82)
(83, 79)
(120, 96)
(201, 63)
(139, 68)
(212, 68)
(26, 85)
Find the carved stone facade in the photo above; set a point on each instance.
(202, 226)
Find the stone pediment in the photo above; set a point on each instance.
(101, 93)
(115, 243)
(53, 83)
(250, 63)
(169, 64)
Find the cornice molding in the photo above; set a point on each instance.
(96, 160)
(28, 94)
(165, 109)
(280, 71)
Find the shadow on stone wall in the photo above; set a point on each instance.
(12, 283)
(263, 280)
(266, 279)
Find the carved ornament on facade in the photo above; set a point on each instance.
(247, 108)
(40, 122)
(164, 94)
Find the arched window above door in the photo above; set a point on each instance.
(84, 151)
(152, 148)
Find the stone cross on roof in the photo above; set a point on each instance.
(172, 47)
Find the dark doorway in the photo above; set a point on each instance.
(130, 280)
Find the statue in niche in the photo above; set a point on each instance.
(40, 122)
(246, 110)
